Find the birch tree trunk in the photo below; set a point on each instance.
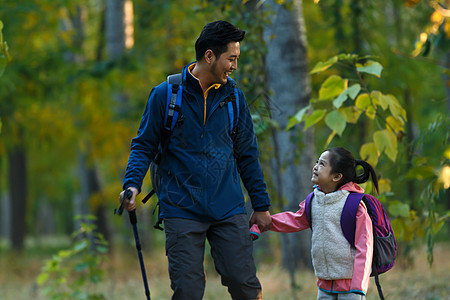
(289, 81)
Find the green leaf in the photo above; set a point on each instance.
(42, 278)
(395, 108)
(80, 246)
(81, 266)
(376, 96)
(353, 90)
(340, 99)
(332, 87)
(385, 101)
(370, 67)
(1, 25)
(399, 209)
(351, 114)
(349, 92)
(322, 66)
(363, 101)
(386, 141)
(369, 153)
(102, 249)
(315, 117)
(64, 253)
(336, 121)
(297, 118)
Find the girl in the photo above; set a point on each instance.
(343, 271)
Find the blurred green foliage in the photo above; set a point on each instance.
(73, 273)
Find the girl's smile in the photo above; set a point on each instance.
(322, 174)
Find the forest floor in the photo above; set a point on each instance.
(122, 279)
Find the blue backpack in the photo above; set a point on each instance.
(173, 119)
(384, 246)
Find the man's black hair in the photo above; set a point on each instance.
(216, 36)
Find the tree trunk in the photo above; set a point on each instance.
(18, 188)
(115, 28)
(288, 79)
(5, 216)
(119, 31)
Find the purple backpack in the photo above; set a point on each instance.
(385, 247)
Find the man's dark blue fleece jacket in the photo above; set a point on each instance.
(200, 169)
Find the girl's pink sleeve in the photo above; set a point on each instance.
(289, 221)
(364, 251)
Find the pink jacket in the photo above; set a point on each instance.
(294, 222)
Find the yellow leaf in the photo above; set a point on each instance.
(371, 112)
(395, 124)
(363, 101)
(437, 18)
(447, 153)
(351, 114)
(332, 87)
(447, 30)
(444, 176)
(370, 153)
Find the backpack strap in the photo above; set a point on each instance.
(233, 113)
(174, 100)
(375, 248)
(348, 216)
(232, 103)
(308, 208)
(173, 108)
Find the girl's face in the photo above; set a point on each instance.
(322, 175)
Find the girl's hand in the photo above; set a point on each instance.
(262, 219)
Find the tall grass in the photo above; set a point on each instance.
(18, 273)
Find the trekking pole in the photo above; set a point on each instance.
(133, 220)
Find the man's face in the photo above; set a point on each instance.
(223, 66)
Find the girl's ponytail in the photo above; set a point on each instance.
(368, 171)
(343, 162)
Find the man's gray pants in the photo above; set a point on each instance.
(231, 250)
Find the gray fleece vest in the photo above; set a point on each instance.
(332, 255)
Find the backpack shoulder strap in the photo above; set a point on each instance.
(233, 112)
(348, 216)
(308, 208)
(174, 100)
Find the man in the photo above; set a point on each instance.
(200, 195)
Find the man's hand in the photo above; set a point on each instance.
(130, 204)
(262, 219)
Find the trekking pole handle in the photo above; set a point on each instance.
(132, 214)
(126, 195)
